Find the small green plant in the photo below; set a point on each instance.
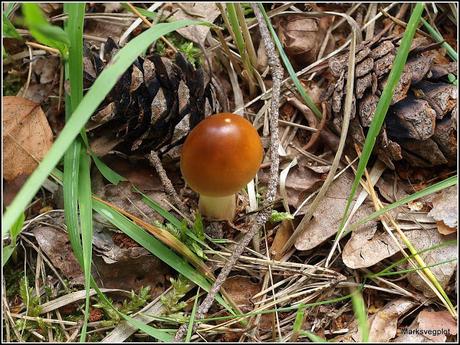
(129, 306)
(33, 308)
(192, 53)
(276, 216)
(10, 250)
(191, 237)
(30, 300)
(172, 300)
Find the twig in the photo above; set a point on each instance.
(169, 189)
(277, 75)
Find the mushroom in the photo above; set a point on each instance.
(219, 157)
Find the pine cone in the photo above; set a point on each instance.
(420, 125)
(153, 105)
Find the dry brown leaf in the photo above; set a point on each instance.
(383, 325)
(300, 182)
(208, 12)
(283, 233)
(27, 136)
(429, 326)
(302, 37)
(56, 245)
(241, 289)
(445, 207)
(326, 219)
(444, 229)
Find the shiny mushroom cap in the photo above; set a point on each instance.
(221, 155)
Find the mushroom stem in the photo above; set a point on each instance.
(218, 208)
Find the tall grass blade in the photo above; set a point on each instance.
(192, 318)
(359, 309)
(43, 31)
(438, 38)
(86, 223)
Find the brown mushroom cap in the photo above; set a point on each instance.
(221, 155)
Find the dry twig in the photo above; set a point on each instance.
(166, 182)
(277, 75)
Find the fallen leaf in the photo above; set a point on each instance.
(300, 182)
(445, 207)
(56, 245)
(27, 136)
(326, 219)
(383, 324)
(302, 37)
(282, 235)
(444, 229)
(429, 326)
(12, 187)
(208, 12)
(241, 289)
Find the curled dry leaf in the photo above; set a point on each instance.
(27, 136)
(429, 326)
(303, 37)
(383, 325)
(445, 207)
(367, 247)
(206, 11)
(329, 213)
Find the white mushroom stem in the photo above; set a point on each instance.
(218, 208)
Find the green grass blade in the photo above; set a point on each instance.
(9, 8)
(158, 209)
(101, 87)
(298, 323)
(86, 223)
(384, 104)
(9, 31)
(155, 247)
(313, 337)
(44, 32)
(359, 309)
(112, 176)
(438, 38)
(308, 101)
(451, 181)
(70, 189)
(7, 251)
(233, 19)
(192, 318)
(14, 232)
